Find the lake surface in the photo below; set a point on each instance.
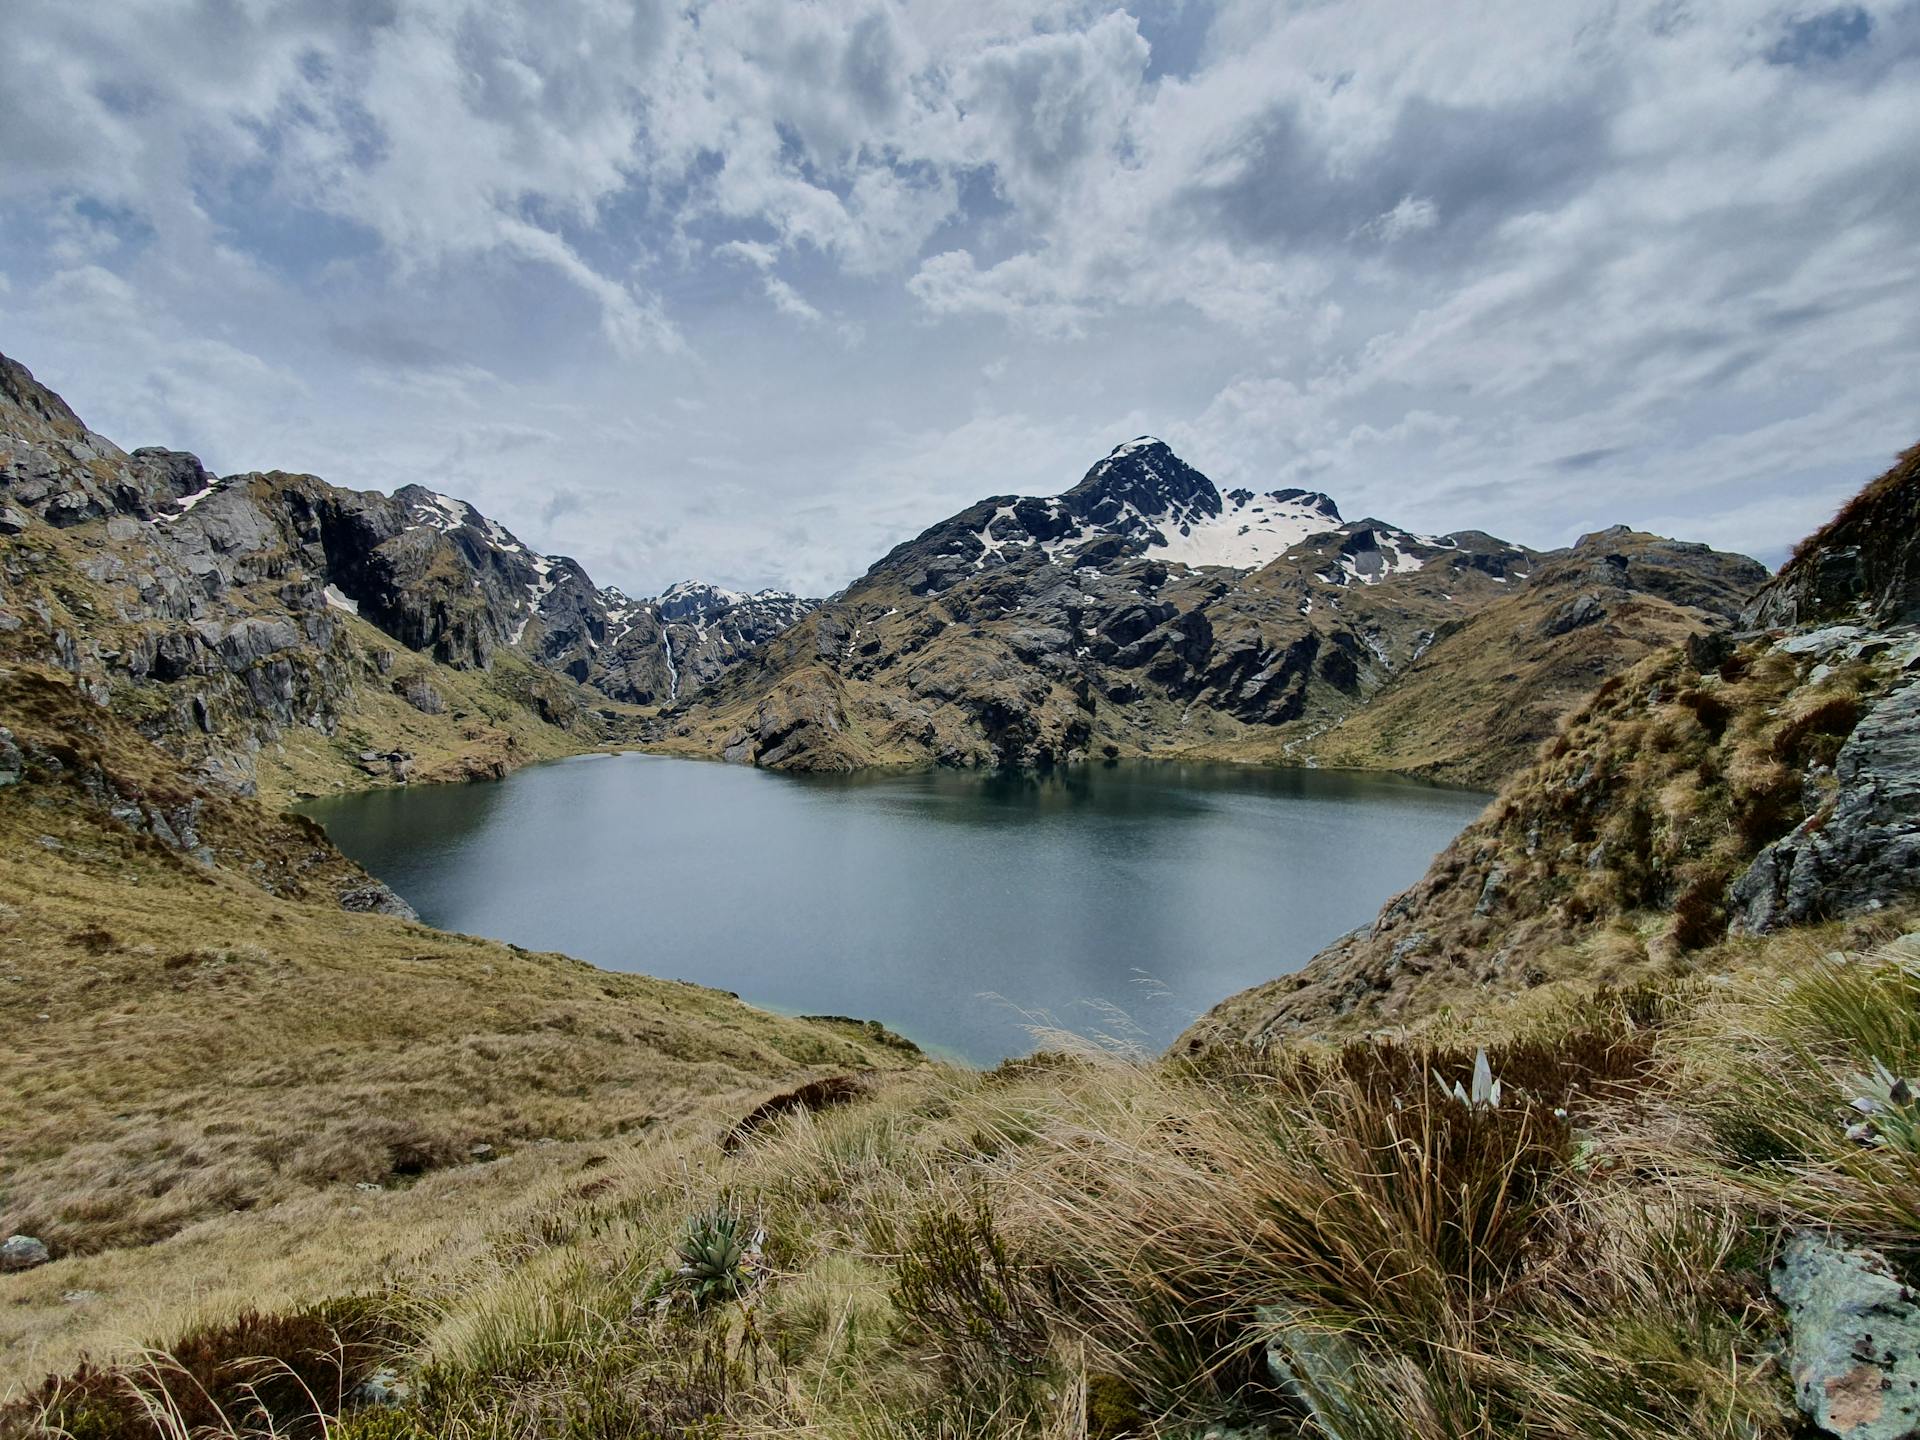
(959, 908)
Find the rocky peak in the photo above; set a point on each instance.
(54, 467)
(1145, 477)
(1620, 559)
(697, 600)
(1864, 564)
(1141, 501)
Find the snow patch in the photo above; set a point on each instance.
(340, 600)
(186, 503)
(443, 512)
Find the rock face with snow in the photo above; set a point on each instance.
(1140, 612)
(1142, 501)
(227, 613)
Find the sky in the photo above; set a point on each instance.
(751, 291)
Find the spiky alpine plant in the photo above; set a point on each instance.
(1485, 1093)
(1891, 1105)
(717, 1258)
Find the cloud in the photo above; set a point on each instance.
(1535, 269)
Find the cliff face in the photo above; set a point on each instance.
(1862, 564)
(334, 633)
(1727, 785)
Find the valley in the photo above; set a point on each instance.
(258, 1112)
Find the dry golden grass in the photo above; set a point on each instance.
(1089, 1245)
(1086, 1245)
(190, 1058)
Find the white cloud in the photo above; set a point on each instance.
(1535, 269)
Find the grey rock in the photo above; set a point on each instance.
(22, 1252)
(1822, 642)
(1490, 891)
(375, 898)
(419, 692)
(13, 521)
(1861, 851)
(1855, 1348)
(1580, 611)
(384, 1387)
(1315, 1367)
(12, 762)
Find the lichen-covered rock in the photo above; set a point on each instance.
(1860, 850)
(1315, 1367)
(1855, 1356)
(22, 1252)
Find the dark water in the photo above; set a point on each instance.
(1116, 901)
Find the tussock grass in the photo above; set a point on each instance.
(1089, 1244)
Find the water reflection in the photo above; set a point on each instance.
(907, 896)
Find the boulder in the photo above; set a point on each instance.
(419, 692)
(1315, 1367)
(1855, 1349)
(22, 1252)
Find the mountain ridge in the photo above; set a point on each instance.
(1096, 623)
(1729, 784)
(271, 615)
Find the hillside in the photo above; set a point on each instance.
(1731, 784)
(274, 630)
(1143, 612)
(1604, 1129)
(232, 1056)
(1491, 688)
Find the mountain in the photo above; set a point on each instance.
(1144, 612)
(1490, 688)
(707, 630)
(1730, 785)
(273, 619)
(277, 1158)
(640, 652)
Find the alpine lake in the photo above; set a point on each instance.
(977, 913)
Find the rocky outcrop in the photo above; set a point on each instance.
(1728, 783)
(1861, 847)
(1864, 562)
(1855, 1356)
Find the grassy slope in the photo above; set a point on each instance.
(1069, 1247)
(1476, 705)
(490, 725)
(194, 1061)
(1607, 859)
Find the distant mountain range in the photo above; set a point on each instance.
(232, 612)
(1145, 612)
(273, 618)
